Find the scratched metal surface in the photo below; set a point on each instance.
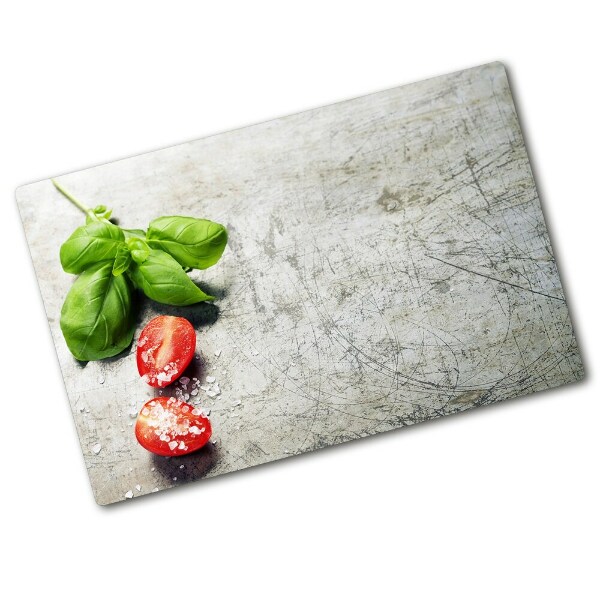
(388, 263)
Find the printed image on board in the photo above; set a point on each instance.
(373, 264)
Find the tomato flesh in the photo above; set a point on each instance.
(165, 348)
(171, 427)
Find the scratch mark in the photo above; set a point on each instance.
(515, 285)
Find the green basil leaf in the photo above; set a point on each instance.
(194, 243)
(129, 233)
(122, 260)
(89, 244)
(102, 212)
(139, 249)
(96, 317)
(162, 279)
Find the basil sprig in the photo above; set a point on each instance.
(97, 318)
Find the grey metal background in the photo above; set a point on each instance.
(388, 263)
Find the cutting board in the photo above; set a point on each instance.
(388, 263)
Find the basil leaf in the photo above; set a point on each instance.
(102, 212)
(129, 233)
(96, 317)
(139, 249)
(194, 243)
(89, 244)
(162, 279)
(122, 260)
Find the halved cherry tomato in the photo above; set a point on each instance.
(164, 350)
(171, 427)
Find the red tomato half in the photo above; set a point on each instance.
(171, 427)
(164, 350)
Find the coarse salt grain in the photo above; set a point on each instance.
(211, 379)
(184, 380)
(96, 448)
(101, 379)
(138, 487)
(129, 494)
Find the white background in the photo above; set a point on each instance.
(501, 502)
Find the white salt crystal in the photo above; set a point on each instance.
(211, 379)
(184, 380)
(96, 448)
(101, 379)
(138, 487)
(129, 494)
